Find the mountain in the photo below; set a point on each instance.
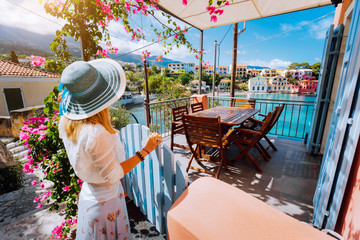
(257, 67)
(29, 43)
(20, 38)
(134, 58)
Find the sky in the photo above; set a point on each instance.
(268, 42)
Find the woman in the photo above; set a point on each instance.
(94, 148)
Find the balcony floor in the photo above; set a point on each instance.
(288, 180)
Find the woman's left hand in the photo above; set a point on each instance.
(153, 141)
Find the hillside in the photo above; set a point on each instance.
(28, 43)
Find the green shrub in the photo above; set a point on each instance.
(11, 178)
(119, 116)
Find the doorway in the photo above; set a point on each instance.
(14, 99)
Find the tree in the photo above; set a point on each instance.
(128, 67)
(14, 58)
(167, 72)
(295, 65)
(316, 69)
(288, 75)
(185, 78)
(292, 80)
(87, 22)
(155, 69)
(155, 83)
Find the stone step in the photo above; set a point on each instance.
(17, 149)
(11, 145)
(7, 140)
(20, 155)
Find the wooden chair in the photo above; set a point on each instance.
(256, 124)
(246, 139)
(244, 103)
(197, 107)
(177, 125)
(205, 131)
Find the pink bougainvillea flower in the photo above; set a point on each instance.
(117, 1)
(176, 36)
(184, 2)
(178, 28)
(101, 23)
(127, 6)
(79, 180)
(39, 205)
(134, 11)
(42, 185)
(213, 18)
(33, 182)
(36, 199)
(227, 3)
(66, 188)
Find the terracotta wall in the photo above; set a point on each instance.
(348, 223)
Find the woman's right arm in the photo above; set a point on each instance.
(152, 142)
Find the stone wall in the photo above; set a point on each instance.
(5, 127)
(10, 126)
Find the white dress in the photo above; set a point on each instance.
(96, 158)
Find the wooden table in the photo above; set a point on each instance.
(229, 116)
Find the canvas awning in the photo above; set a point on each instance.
(195, 14)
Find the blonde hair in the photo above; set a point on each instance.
(73, 127)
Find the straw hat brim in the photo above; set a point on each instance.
(110, 88)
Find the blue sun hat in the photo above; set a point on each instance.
(90, 87)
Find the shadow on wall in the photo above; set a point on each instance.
(10, 126)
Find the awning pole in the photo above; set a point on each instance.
(200, 62)
(233, 65)
(146, 102)
(214, 73)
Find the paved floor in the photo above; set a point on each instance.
(287, 183)
(288, 180)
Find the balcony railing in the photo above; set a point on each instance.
(161, 116)
(294, 121)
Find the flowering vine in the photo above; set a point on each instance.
(40, 134)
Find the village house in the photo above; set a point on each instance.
(279, 84)
(23, 86)
(257, 84)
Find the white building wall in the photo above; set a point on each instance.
(257, 84)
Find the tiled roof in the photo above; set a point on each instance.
(12, 69)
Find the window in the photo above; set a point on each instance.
(253, 88)
(263, 88)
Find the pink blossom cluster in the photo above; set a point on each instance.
(213, 11)
(198, 52)
(105, 52)
(37, 60)
(145, 54)
(159, 59)
(58, 231)
(43, 198)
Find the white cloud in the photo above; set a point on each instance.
(241, 52)
(318, 29)
(258, 36)
(317, 59)
(274, 63)
(285, 26)
(15, 16)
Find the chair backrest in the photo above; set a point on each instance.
(278, 112)
(197, 107)
(244, 103)
(205, 131)
(178, 112)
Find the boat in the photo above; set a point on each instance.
(134, 98)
